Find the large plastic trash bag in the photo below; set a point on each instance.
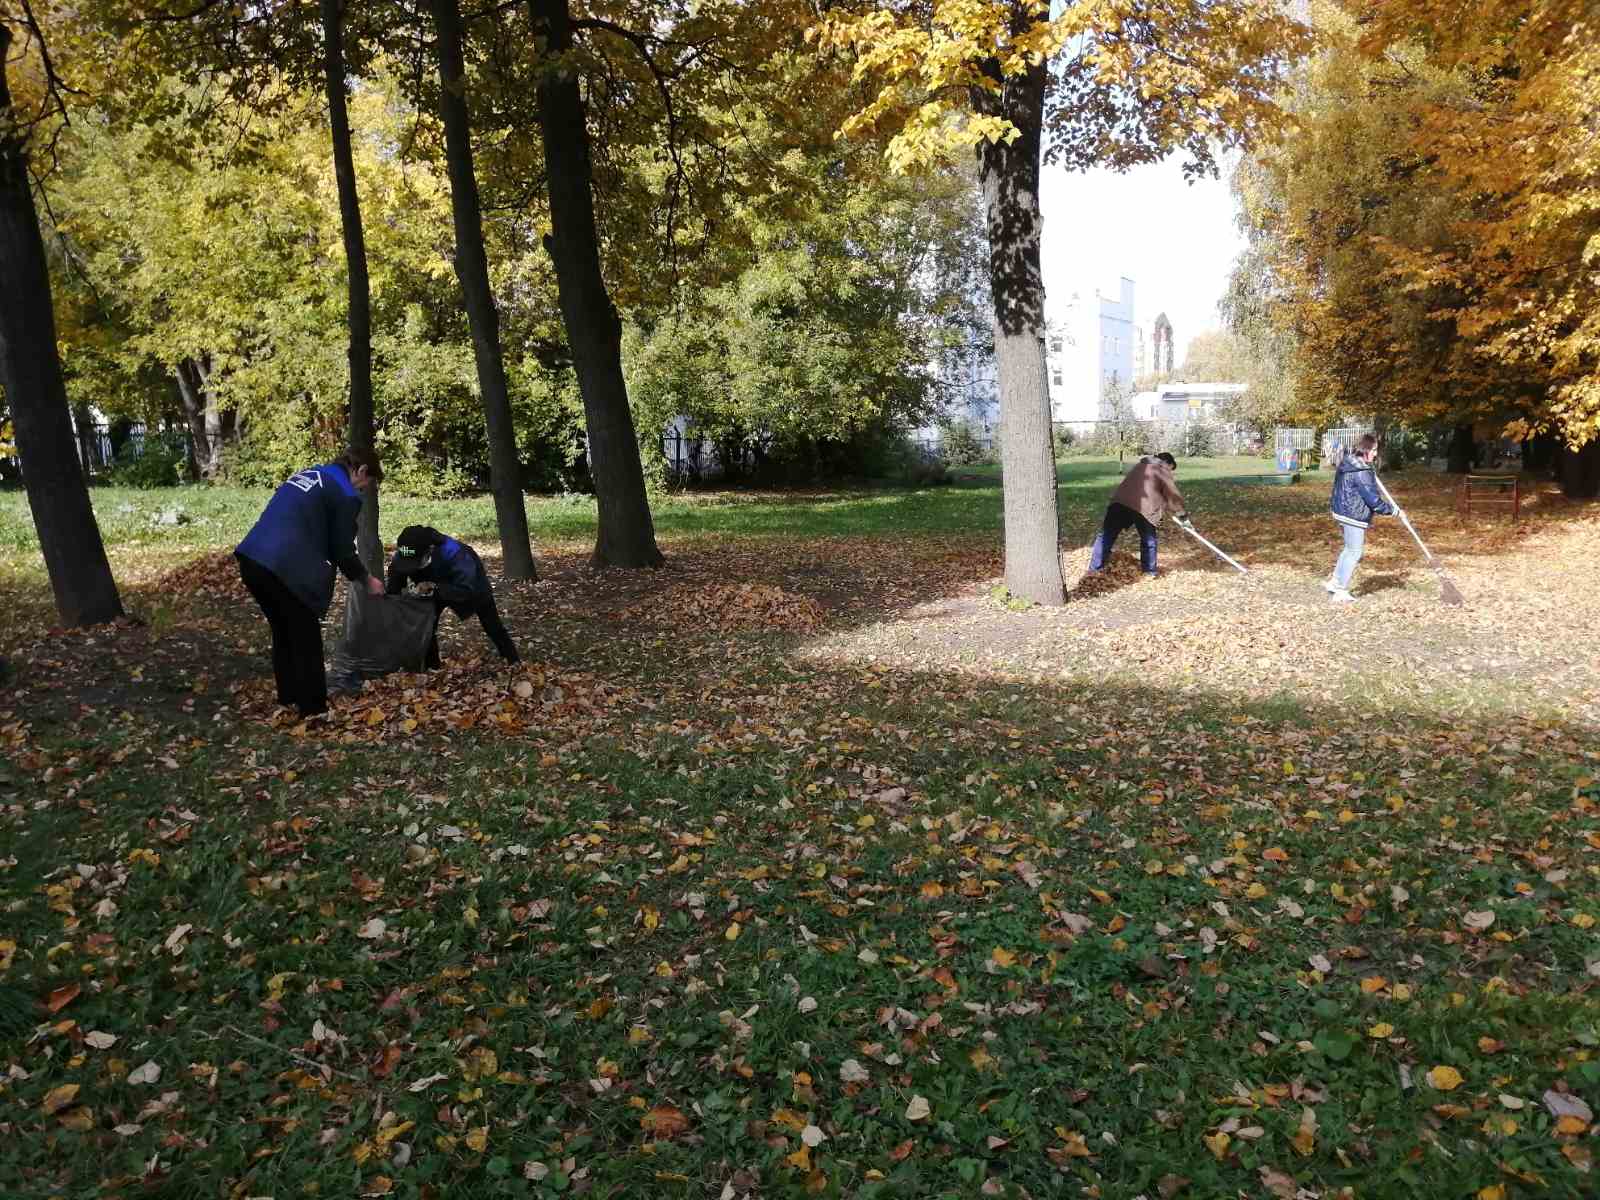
(382, 634)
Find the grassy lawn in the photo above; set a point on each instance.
(803, 867)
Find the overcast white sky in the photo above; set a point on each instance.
(1176, 241)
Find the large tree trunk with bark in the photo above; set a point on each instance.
(74, 555)
(627, 536)
(472, 269)
(1009, 175)
(211, 427)
(363, 429)
(1579, 471)
(1458, 459)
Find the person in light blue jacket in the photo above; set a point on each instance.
(287, 562)
(1354, 502)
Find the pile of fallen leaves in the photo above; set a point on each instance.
(214, 576)
(730, 607)
(466, 694)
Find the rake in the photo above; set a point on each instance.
(1195, 534)
(1449, 593)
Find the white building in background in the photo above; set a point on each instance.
(1092, 344)
(1179, 403)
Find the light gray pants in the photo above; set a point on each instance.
(1355, 541)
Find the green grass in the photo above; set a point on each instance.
(701, 893)
(221, 515)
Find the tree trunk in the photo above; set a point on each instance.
(472, 270)
(1579, 471)
(627, 536)
(192, 396)
(1009, 175)
(363, 431)
(74, 555)
(1462, 449)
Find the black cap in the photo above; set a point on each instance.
(412, 548)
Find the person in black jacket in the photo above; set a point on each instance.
(1354, 502)
(424, 555)
(287, 562)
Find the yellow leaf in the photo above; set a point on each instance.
(1445, 1079)
(79, 1120)
(982, 1060)
(1573, 1125)
(800, 1159)
(1495, 1191)
(1373, 983)
(478, 1139)
(932, 891)
(1218, 1144)
(1001, 957)
(58, 1098)
(652, 917)
(733, 931)
(375, 716)
(1381, 1030)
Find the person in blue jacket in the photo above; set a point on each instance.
(460, 583)
(1355, 501)
(287, 562)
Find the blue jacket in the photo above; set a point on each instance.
(1356, 499)
(455, 569)
(307, 527)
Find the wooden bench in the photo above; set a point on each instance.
(1502, 490)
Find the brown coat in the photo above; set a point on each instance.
(1148, 489)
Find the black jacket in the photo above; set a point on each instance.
(457, 573)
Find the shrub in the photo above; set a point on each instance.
(960, 446)
(159, 464)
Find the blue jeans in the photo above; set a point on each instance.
(1355, 541)
(1118, 518)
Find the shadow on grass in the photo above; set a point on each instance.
(1059, 908)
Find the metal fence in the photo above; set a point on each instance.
(1336, 443)
(99, 446)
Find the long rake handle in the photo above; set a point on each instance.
(1404, 520)
(1195, 534)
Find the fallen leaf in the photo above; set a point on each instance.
(664, 1121)
(850, 1071)
(1444, 1079)
(58, 1098)
(1278, 1183)
(150, 1072)
(62, 997)
(99, 1040)
(1478, 920)
(812, 1136)
(1565, 1104)
(1218, 1144)
(1305, 1137)
(1381, 1030)
(373, 929)
(918, 1109)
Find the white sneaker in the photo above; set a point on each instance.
(1341, 596)
(1329, 586)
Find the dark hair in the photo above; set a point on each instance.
(1369, 441)
(355, 456)
(1168, 459)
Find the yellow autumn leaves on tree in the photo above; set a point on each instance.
(1431, 226)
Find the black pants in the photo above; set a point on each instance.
(484, 609)
(296, 640)
(1118, 518)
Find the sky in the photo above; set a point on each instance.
(1176, 241)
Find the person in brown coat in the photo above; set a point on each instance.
(1141, 499)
